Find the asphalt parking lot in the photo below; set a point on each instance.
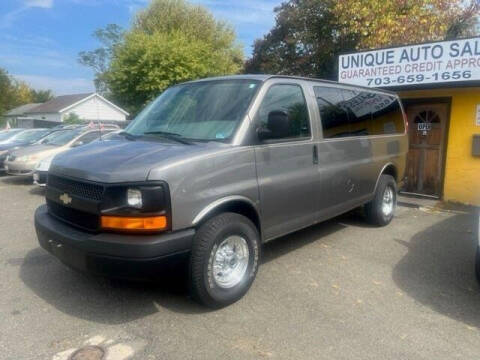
(340, 290)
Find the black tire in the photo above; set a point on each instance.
(373, 210)
(204, 287)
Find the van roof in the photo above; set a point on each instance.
(264, 77)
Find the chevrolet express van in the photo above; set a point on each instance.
(216, 167)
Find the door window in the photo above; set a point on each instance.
(287, 99)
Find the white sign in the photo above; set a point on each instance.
(424, 126)
(440, 62)
(477, 118)
(363, 103)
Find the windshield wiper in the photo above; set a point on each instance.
(127, 135)
(169, 135)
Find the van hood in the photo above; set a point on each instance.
(124, 160)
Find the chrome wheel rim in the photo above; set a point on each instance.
(230, 261)
(388, 202)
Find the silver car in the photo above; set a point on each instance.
(24, 161)
(213, 168)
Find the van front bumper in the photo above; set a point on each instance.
(110, 254)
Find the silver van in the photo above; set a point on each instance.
(213, 168)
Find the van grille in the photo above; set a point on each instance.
(81, 219)
(77, 188)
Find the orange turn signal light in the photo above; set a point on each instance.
(151, 223)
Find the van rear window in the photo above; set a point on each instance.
(358, 113)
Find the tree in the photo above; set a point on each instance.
(169, 42)
(304, 41)
(99, 59)
(7, 98)
(41, 96)
(15, 93)
(72, 119)
(380, 23)
(148, 64)
(310, 34)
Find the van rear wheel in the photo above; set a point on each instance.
(224, 259)
(381, 209)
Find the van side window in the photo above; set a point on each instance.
(357, 105)
(333, 115)
(387, 117)
(364, 113)
(288, 99)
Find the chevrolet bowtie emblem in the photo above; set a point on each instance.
(65, 198)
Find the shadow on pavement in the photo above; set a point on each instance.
(107, 301)
(16, 180)
(289, 243)
(117, 301)
(438, 270)
(37, 190)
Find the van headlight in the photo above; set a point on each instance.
(143, 207)
(134, 198)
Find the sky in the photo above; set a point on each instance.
(40, 39)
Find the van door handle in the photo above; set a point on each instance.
(315, 154)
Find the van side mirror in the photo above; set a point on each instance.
(278, 126)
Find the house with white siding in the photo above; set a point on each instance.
(88, 107)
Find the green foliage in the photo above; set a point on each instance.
(166, 16)
(14, 93)
(147, 64)
(380, 23)
(41, 96)
(72, 119)
(99, 59)
(170, 41)
(310, 34)
(304, 41)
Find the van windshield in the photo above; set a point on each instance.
(203, 111)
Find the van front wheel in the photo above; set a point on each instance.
(224, 259)
(381, 209)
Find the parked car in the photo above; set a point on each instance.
(7, 134)
(24, 161)
(41, 169)
(20, 139)
(216, 167)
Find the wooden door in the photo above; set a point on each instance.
(426, 127)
